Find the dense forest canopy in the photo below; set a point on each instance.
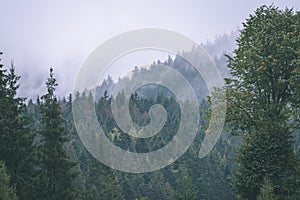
(256, 157)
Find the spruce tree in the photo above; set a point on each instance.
(98, 181)
(262, 100)
(56, 169)
(16, 143)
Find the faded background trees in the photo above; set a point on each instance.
(42, 156)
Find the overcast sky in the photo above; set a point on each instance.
(40, 34)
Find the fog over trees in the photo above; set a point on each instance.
(257, 156)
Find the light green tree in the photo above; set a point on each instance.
(6, 191)
(266, 191)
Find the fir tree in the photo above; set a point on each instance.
(16, 143)
(56, 169)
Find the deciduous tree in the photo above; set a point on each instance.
(262, 100)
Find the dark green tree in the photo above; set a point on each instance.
(16, 143)
(97, 181)
(56, 169)
(262, 100)
(186, 190)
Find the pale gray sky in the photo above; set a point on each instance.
(39, 34)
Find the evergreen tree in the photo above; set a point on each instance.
(185, 187)
(262, 100)
(97, 180)
(56, 169)
(16, 143)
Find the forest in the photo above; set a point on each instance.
(257, 156)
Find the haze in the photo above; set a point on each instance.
(41, 34)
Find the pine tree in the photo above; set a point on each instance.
(262, 100)
(16, 143)
(56, 169)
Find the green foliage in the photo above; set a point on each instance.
(6, 191)
(16, 144)
(262, 99)
(209, 178)
(142, 198)
(186, 190)
(56, 169)
(266, 191)
(50, 171)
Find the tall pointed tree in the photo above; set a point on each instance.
(16, 143)
(56, 172)
(262, 100)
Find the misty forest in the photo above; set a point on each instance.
(257, 156)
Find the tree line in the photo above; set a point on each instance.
(42, 156)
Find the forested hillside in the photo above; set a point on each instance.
(256, 157)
